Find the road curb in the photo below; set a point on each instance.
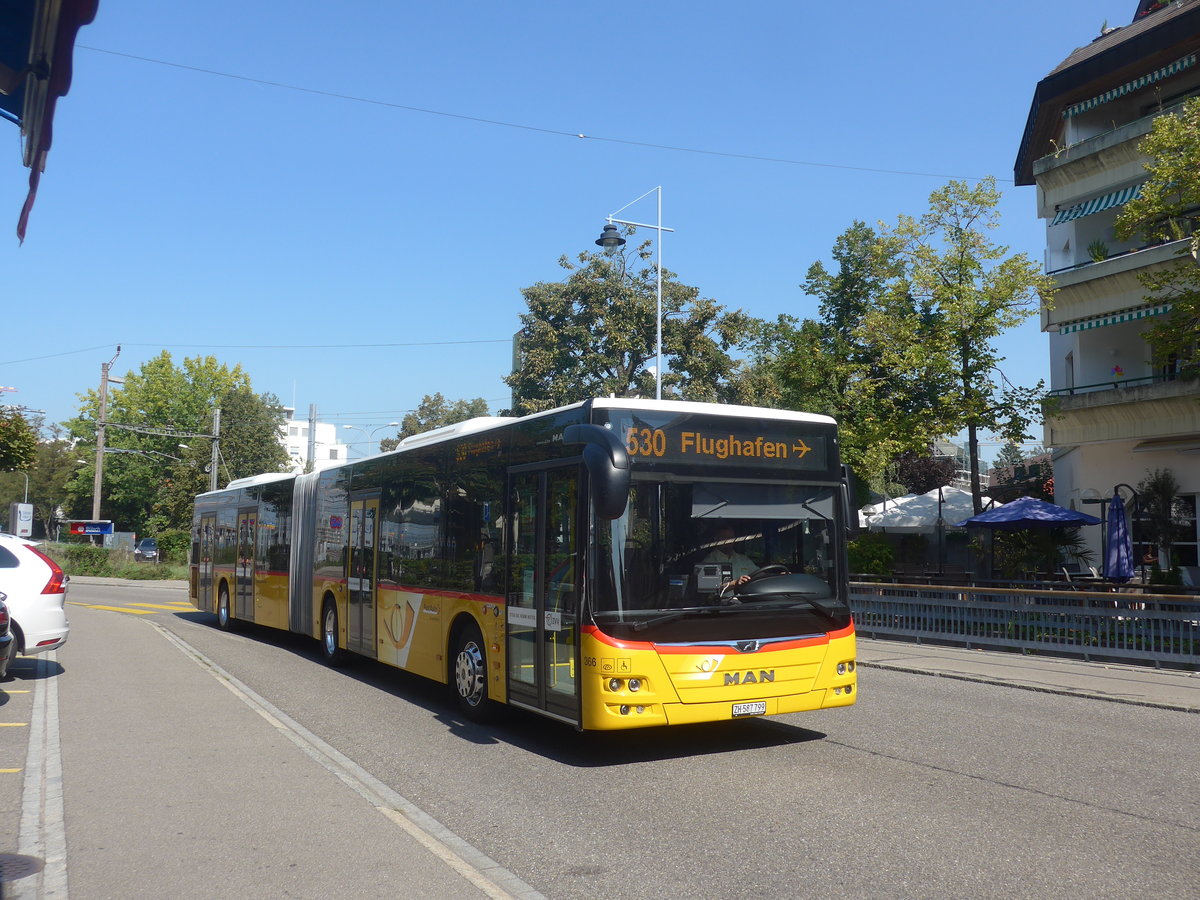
(1041, 689)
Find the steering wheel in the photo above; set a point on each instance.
(767, 571)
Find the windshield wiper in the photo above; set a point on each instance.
(682, 613)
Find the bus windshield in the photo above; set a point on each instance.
(664, 568)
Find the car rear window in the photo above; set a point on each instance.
(8, 559)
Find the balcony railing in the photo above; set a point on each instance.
(1111, 385)
(1116, 254)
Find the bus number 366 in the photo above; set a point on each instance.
(646, 442)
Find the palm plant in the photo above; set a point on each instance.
(1161, 509)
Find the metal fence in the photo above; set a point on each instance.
(1151, 629)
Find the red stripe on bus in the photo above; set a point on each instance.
(703, 648)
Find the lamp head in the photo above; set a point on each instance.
(610, 239)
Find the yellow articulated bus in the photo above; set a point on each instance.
(609, 564)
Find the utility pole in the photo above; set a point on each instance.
(312, 438)
(98, 481)
(216, 449)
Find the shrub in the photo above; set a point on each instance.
(82, 559)
(174, 545)
(870, 554)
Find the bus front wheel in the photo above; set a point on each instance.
(330, 651)
(224, 617)
(469, 675)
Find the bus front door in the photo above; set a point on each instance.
(360, 576)
(244, 592)
(543, 591)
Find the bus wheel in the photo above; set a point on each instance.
(224, 618)
(470, 675)
(330, 652)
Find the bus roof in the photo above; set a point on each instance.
(484, 423)
(715, 409)
(265, 478)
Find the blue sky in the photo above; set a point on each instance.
(336, 241)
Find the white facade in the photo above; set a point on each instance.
(1115, 416)
(328, 450)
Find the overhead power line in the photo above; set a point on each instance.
(555, 132)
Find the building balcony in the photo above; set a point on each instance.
(1099, 288)
(1155, 408)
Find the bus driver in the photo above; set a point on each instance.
(728, 557)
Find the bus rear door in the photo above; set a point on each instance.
(543, 592)
(244, 590)
(360, 575)
(204, 563)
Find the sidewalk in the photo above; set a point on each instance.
(159, 802)
(1140, 685)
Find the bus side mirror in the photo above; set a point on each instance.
(607, 463)
(850, 501)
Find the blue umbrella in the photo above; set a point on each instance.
(1118, 552)
(1029, 512)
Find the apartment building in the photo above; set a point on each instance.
(1116, 416)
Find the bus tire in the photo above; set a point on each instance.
(330, 652)
(468, 675)
(224, 611)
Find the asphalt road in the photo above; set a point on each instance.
(928, 788)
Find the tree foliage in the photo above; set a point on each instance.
(1168, 209)
(159, 421)
(835, 365)
(921, 472)
(966, 291)
(18, 440)
(904, 351)
(594, 334)
(434, 411)
(43, 481)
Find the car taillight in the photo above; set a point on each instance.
(3, 616)
(56, 583)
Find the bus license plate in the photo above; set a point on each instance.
(758, 708)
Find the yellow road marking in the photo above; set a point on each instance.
(10, 771)
(2, 691)
(124, 609)
(13, 724)
(163, 606)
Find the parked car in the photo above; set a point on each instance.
(37, 596)
(146, 550)
(6, 639)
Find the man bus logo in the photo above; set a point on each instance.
(750, 677)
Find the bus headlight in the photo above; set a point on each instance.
(614, 684)
(841, 668)
(635, 684)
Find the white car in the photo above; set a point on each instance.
(37, 596)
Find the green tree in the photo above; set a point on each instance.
(250, 427)
(965, 291)
(55, 460)
(594, 335)
(835, 365)
(1168, 209)
(18, 440)
(434, 411)
(1010, 455)
(159, 408)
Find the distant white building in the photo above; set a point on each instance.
(327, 449)
(945, 449)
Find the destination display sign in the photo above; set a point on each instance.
(724, 441)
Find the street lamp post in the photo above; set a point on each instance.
(610, 239)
